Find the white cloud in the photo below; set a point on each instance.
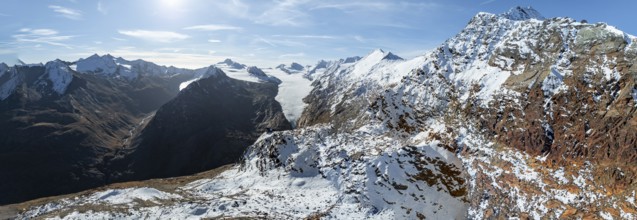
(263, 40)
(101, 8)
(214, 41)
(212, 27)
(155, 36)
(354, 6)
(307, 36)
(6, 51)
(359, 38)
(369, 5)
(292, 55)
(42, 32)
(67, 12)
(285, 13)
(277, 42)
(39, 36)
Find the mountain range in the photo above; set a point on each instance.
(517, 116)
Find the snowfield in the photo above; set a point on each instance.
(292, 90)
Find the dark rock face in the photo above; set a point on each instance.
(296, 66)
(209, 124)
(54, 144)
(233, 64)
(256, 72)
(351, 59)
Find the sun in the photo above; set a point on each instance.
(171, 3)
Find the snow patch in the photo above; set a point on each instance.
(60, 75)
(553, 83)
(634, 95)
(7, 88)
(124, 196)
(559, 175)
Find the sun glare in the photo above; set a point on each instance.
(171, 3)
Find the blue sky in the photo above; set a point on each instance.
(197, 33)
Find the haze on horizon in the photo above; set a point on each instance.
(197, 33)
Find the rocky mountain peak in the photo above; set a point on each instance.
(382, 55)
(519, 13)
(352, 59)
(231, 63)
(391, 56)
(296, 66)
(292, 68)
(3, 67)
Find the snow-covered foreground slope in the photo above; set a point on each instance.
(302, 173)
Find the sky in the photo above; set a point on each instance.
(265, 33)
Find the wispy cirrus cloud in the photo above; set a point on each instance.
(272, 42)
(214, 41)
(41, 36)
(285, 13)
(155, 36)
(353, 6)
(67, 12)
(102, 8)
(212, 27)
(370, 5)
(292, 55)
(326, 37)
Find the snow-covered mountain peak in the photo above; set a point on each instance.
(213, 71)
(522, 13)
(59, 74)
(376, 52)
(379, 54)
(97, 64)
(232, 64)
(375, 57)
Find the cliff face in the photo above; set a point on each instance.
(583, 108)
